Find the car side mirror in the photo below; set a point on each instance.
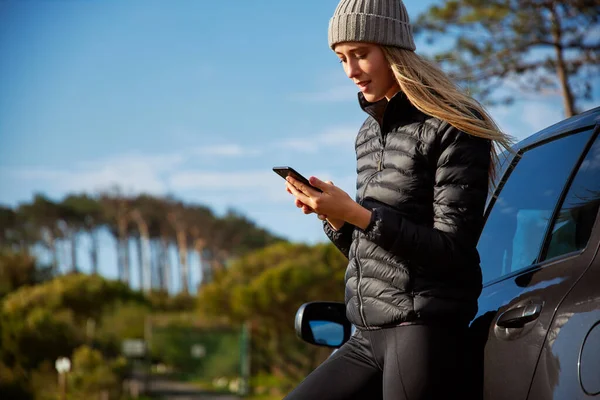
(323, 324)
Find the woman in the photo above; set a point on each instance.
(424, 159)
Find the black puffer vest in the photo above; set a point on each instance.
(426, 184)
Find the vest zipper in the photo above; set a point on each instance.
(358, 291)
(358, 266)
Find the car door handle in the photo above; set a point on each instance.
(518, 317)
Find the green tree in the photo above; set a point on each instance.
(36, 336)
(19, 269)
(541, 45)
(42, 322)
(86, 296)
(24, 233)
(164, 234)
(236, 235)
(13, 383)
(265, 289)
(8, 226)
(94, 375)
(145, 219)
(71, 223)
(157, 224)
(43, 215)
(233, 236)
(177, 217)
(86, 213)
(116, 209)
(202, 222)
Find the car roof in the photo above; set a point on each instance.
(583, 120)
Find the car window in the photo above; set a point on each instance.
(504, 161)
(573, 225)
(512, 237)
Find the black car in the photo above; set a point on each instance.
(537, 332)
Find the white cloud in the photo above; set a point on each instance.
(125, 162)
(334, 94)
(220, 180)
(131, 172)
(164, 173)
(133, 180)
(539, 115)
(302, 145)
(236, 187)
(338, 136)
(245, 187)
(324, 141)
(227, 150)
(527, 117)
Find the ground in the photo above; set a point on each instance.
(166, 389)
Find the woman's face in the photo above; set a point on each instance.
(366, 65)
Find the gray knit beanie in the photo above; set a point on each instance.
(383, 22)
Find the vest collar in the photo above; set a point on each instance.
(394, 108)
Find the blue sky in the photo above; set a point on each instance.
(198, 99)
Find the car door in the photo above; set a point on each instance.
(521, 288)
(569, 365)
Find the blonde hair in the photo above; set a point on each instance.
(432, 92)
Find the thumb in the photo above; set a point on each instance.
(316, 182)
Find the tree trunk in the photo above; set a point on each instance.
(127, 258)
(51, 243)
(146, 267)
(55, 258)
(124, 249)
(74, 251)
(154, 265)
(146, 261)
(561, 68)
(143, 250)
(138, 242)
(205, 269)
(567, 94)
(120, 271)
(124, 259)
(218, 260)
(94, 251)
(165, 263)
(65, 253)
(183, 261)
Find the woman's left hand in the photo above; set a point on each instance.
(332, 203)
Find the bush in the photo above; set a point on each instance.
(93, 374)
(38, 336)
(13, 384)
(40, 323)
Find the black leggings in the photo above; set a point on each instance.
(413, 362)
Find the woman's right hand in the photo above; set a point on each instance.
(336, 224)
(305, 209)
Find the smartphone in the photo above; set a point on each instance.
(284, 172)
